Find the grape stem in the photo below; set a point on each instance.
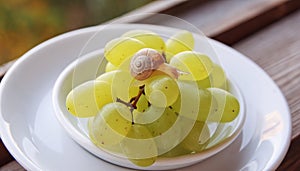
(125, 103)
(136, 99)
(133, 101)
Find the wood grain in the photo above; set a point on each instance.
(213, 17)
(258, 21)
(5, 157)
(291, 160)
(12, 166)
(277, 50)
(227, 21)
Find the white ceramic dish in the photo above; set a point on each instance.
(33, 136)
(86, 68)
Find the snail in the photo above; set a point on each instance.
(148, 60)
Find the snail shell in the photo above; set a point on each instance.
(144, 62)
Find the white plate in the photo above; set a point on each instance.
(33, 136)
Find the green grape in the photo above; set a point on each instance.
(217, 78)
(227, 107)
(161, 90)
(197, 139)
(142, 105)
(110, 126)
(110, 67)
(163, 122)
(174, 135)
(159, 121)
(197, 65)
(139, 146)
(181, 41)
(86, 99)
(151, 114)
(119, 49)
(149, 38)
(179, 150)
(104, 136)
(187, 104)
(102, 93)
(216, 105)
(125, 65)
(205, 106)
(121, 84)
(144, 162)
(107, 76)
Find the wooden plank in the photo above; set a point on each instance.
(257, 22)
(12, 166)
(276, 50)
(228, 21)
(5, 157)
(214, 17)
(291, 161)
(146, 11)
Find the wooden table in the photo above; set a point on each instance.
(267, 31)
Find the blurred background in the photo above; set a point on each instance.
(26, 23)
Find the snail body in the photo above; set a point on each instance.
(148, 60)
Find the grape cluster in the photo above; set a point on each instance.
(155, 98)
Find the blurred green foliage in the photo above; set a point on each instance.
(25, 23)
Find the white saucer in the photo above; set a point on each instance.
(34, 137)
